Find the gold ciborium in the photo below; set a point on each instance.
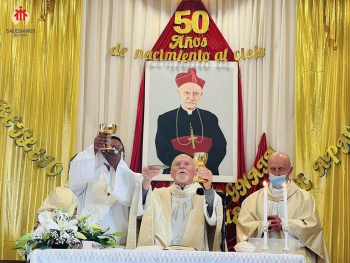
(201, 159)
(108, 129)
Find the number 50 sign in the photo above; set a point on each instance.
(189, 24)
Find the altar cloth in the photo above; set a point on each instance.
(169, 256)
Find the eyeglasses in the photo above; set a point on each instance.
(278, 170)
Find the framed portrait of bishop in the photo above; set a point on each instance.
(191, 107)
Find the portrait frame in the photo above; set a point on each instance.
(220, 97)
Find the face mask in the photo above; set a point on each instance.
(277, 181)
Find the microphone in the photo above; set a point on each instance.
(200, 191)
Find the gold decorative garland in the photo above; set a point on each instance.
(24, 139)
(45, 9)
(323, 163)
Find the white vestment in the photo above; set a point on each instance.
(161, 210)
(304, 223)
(100, 191)
(181, 206)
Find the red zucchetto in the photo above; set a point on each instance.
(189, 76)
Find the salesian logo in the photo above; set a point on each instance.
(19, 15)
(20, 19)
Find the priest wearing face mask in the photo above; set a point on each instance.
(189, 129)
(303, 217)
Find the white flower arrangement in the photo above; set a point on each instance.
(60, 229)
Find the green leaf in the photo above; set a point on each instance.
(106, 230)
(80, 235)
(41, 245)
(111, 243)
(81, 218)
(72, 209)
(20, 245)
(96, 228)
(99, 233)
(84, 232)
(118, 234)
(27, 251)
(24, 237)
(102, 242)
(47, 236)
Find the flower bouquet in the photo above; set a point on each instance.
(60, 229)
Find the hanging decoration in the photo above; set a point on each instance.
(23, 138)
(46, 8)
(323, 163)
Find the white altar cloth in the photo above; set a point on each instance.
(169, 256)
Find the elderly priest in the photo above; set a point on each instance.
(303, 220)
(177, 214)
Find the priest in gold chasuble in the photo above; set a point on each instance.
(189, 129)
(176, 215)
(300, 214)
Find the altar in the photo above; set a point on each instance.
(136, 256)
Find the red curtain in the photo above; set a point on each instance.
(136, 156)
(262, 148)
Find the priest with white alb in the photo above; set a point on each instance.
(95, 178)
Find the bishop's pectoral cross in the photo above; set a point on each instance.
(193, 138)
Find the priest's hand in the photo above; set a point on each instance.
(148, 174)
(275, 223)
(205, 174)
(100, 141)
(113, 156)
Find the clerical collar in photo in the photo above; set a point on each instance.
(189, 112)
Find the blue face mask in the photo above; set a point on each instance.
(277, 181)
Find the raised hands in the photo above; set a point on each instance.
(112, 156)
(148, 174)
(100, 141)
(207, 175)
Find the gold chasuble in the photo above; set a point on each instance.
(303, 219)
(156, 222)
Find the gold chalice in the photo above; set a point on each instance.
(108, 129)
(201, 159)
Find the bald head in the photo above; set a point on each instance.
(279, 164)
(281, 156)
(183, 169)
